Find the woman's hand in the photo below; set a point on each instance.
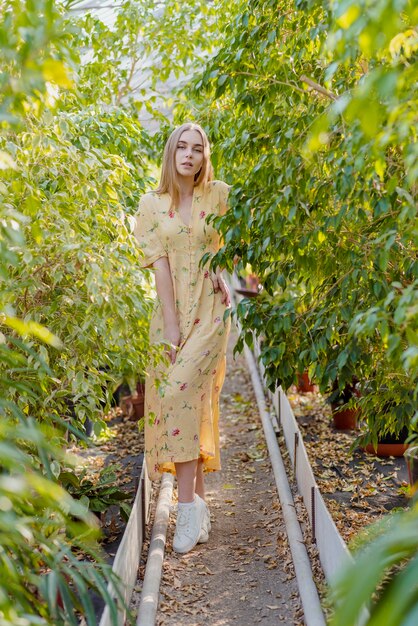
(165, 292)
(219, 284)
(172, 337)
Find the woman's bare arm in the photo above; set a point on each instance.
(165, 291)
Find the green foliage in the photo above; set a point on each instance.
(386, 567)
(35, 57)
(74, 308)
(312, 115)
(76, 272)
(311, 110)
(98, 493)
(43, 530)
(151, 50)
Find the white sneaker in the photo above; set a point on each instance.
(206, 526)
(190, 516)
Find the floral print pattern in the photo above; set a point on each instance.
(182, 399)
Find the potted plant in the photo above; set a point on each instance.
(133, 404)
(388, 421)
(344, 414)
(389, 444)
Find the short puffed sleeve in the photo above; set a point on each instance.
(146, 232)
(222, 192)
(220, 196)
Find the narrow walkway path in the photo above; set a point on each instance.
(244, 574)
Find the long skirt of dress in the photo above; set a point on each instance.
(182, 399)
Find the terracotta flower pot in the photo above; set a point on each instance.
(387, 449)
(138, 405)
(390, 445)
(134, 406)
(138, 401)
(345, 419)
(305, 384)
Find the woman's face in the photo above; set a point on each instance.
(189, 153)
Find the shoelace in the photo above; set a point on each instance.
(183, 519)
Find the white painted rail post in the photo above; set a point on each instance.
(151, 586)
(128, 554)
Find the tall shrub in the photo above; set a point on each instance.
(64, 242)
(312, 113)
(74, 307)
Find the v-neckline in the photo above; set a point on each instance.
(189, 225)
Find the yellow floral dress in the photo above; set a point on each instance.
(182, 399)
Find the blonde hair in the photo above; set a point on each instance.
(169, 181)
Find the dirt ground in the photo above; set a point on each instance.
(244, 574)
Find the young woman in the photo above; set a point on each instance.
(182, 395)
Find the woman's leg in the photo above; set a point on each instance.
(200, 481)
(186, 479)
(192, 523)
